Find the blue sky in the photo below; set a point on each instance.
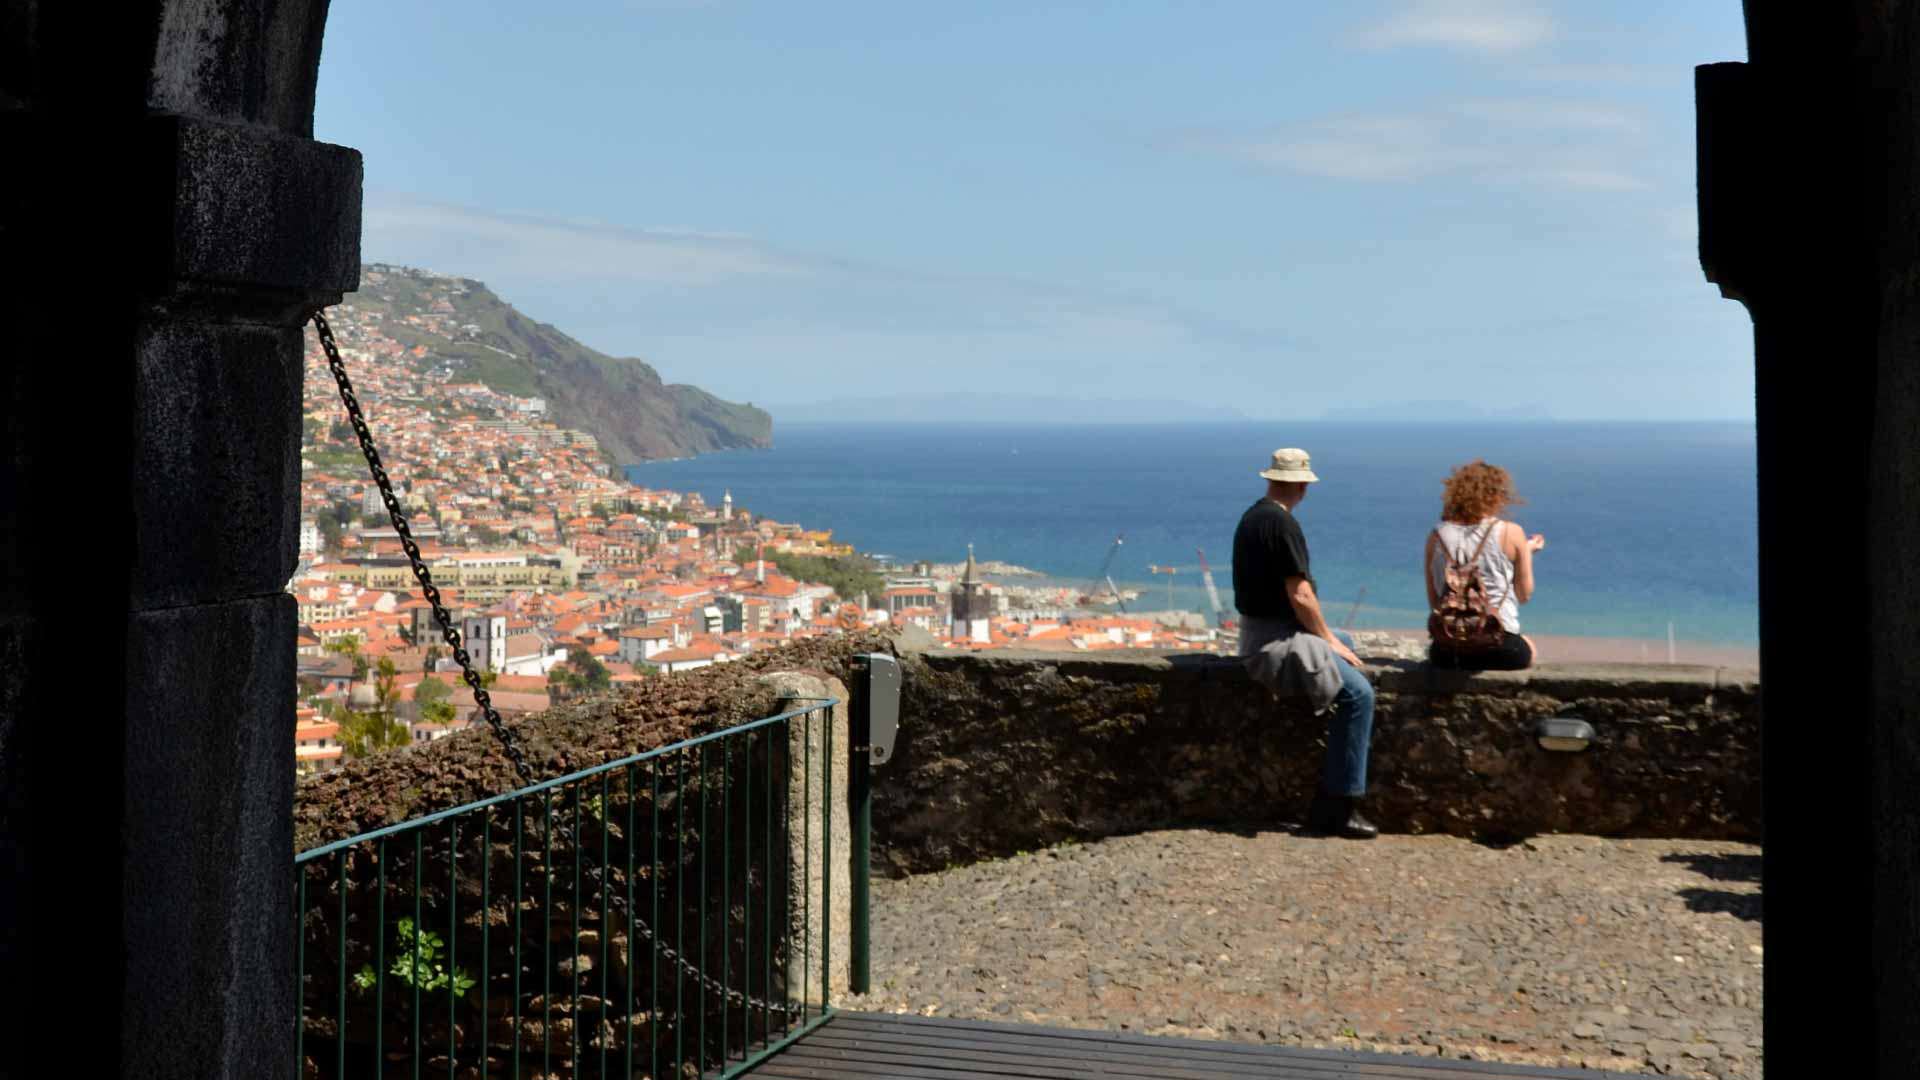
(1277, 208)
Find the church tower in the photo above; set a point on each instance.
(970, 605)
(726, 506)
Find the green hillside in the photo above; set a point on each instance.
(621, 401)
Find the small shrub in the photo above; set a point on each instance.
(418, 956)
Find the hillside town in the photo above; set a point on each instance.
(560, 576)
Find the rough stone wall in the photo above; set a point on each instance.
(1001, 752)
(1007, 751)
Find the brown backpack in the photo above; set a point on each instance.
(1466, 619)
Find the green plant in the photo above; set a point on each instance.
(377, 729)
(848, 576)
(418, 963)
(431, 696)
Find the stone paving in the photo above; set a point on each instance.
(1631, 955)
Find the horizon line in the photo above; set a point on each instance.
(1222, 421)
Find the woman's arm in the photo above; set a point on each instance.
(1520, 550)
(1426, 571)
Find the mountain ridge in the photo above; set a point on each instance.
(632, 412)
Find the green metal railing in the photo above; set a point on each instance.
(659, 916)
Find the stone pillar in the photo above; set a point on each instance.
(822, 838)
(1808, 210)
(166, 223)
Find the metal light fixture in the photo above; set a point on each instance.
(1563, 733)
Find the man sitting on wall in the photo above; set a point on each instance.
(1288, 644)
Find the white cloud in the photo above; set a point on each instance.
(1613, 74)
(1564, 145)
(1482, 26)
(1578, 179)
(745, 320)
(482, 242)
(1374, 148)
(1549, 114)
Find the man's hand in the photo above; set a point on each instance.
(1537, 541)
(1340, 650)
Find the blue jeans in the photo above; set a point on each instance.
(1349, 730)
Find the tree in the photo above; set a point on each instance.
(580, 673)
(847, 575)
(431, 695)
(431, 689)
(368, 732)
(593, 674)
(348, 645)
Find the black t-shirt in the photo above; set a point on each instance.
(1268, 548)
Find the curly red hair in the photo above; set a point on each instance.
(1476, 491)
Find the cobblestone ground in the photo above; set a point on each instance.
(1633, 955)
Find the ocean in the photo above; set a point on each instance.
(1646, 523)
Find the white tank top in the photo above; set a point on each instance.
(1496, 570)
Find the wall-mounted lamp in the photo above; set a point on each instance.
(1563, 733)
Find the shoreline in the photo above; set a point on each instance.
(1576, 649)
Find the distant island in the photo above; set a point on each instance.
(1001, 408)
(1432, 411)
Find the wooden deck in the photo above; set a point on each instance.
(876, 1046)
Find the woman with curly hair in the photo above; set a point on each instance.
(1476, 493)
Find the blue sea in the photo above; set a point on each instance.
(1646, 523)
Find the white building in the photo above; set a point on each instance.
(485, 639)
(639, 645)
(527, 654)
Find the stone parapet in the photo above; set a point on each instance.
(1008, 751)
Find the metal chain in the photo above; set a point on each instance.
(508, 741)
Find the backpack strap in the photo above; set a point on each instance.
(1484, 537)
(1455, 561)
(1497, 524)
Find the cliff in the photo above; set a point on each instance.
(622, 401)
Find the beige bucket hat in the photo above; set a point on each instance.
(1289, 465)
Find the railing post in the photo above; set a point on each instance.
(875, 708)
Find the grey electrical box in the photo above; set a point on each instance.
(880, 699)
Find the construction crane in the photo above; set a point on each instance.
(1213, 594)
(1107, 577)
(1169, 571)
(1348, 625)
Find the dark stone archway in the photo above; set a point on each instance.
(166, 219)
(1810, 215)
(165, 222)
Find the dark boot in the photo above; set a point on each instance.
(1338, 815)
